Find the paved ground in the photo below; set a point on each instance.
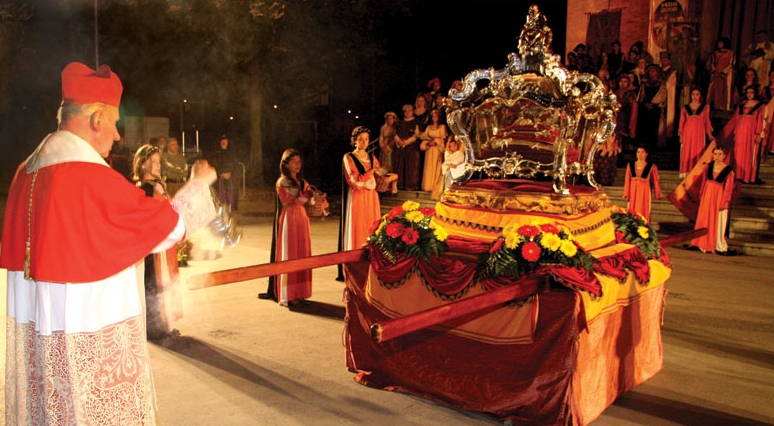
(245, 361)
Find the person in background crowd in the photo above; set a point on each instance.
(433, 141)
(641, 180)
(615, 60)
(174, 167)
(119, 158)
(758, 56)
(159, 142)
(387, 140)
(585, 62)
(406, 156)
(767, 146)
(421, 112)
(360, 203)
(630, 63)
(749, 78)
(721, 66)
(74, 232)
(669, 75)
(292, 238)
(434, 87)
(626, 120)
(163, 301)
(717, 189)
(451, 168)
(747, 124)
(694, 129)
(652, 101)
(225, 160)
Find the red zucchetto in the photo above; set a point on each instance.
(82, 85)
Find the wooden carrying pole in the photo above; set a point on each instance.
(228, 276)
(396, 327)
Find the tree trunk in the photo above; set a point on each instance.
(256, 132)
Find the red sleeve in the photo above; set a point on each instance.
(88, 223)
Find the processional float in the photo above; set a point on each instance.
(524, 293)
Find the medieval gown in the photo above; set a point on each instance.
(431, 175)
(716, 191)
(747, 128)
(638, 186)
(293, 241)
(361, 206)
(694, 126)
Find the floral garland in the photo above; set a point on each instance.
(632, 228)
(411, 230)
(409, 233)
(524, 247)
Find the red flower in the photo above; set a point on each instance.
(394, 230)
(550, 228)
(427, 211)
(529, 231)
(496, 246)
(530, 251)
(410, 236)
(395, 212)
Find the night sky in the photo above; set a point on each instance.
(451, 38)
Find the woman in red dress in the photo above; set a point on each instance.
(293, 237)
(748, 128)
(641, 179)
(694, 125)
(716, 191)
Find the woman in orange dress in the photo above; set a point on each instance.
(293, 237)
(694, 128)
(716, 191)
(641, 179)
(360, 206)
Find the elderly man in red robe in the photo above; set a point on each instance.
(74, 231)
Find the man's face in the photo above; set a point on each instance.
(173, 147)
(761, 37)
(108, 132)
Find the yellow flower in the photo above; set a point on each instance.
(512, 228)
(569, 248)
(565, 230)
(512, 240)
(643, 232)
(440, 233)
(415, 216)
(550, 241)
(410, 205)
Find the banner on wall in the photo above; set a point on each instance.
(662, 13)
